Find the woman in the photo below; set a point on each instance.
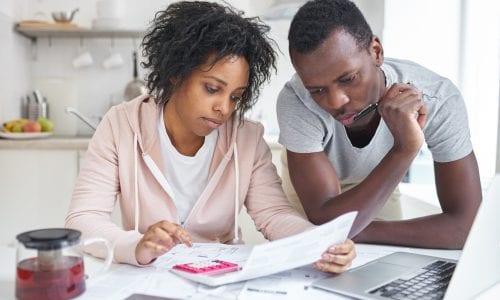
(183, 161)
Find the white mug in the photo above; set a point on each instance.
(115, 60)
(83, 60)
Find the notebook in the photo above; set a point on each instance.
(395, 275)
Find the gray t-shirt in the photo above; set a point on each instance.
(306, 128)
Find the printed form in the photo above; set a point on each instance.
(273, 257)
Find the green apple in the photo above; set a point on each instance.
(46, 124)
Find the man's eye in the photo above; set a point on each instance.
(316, 92)
(347, 79)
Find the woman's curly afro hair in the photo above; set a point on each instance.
(183, 35)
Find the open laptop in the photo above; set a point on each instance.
(395, 275)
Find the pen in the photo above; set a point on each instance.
(366, 111)
(266, 291)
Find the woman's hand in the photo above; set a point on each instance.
(336, 259)
(159, 239)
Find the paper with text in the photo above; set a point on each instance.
(284, 254)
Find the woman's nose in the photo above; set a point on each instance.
(225, 106)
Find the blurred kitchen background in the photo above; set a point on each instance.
(88, 70)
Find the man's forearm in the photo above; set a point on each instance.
(436, 231)
(370, 195)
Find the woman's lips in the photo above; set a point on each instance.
(213, 123)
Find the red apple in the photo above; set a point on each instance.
(32, 126)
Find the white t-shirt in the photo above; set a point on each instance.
(187, 175)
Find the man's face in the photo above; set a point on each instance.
(341, 77)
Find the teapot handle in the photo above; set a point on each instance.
(109, 256)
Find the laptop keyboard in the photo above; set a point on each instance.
(430, 284)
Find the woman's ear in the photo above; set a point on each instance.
(174, 80)
(377, 51)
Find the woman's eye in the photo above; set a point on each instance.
(236, 98)
(211, 90)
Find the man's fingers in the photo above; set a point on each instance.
(422, 116)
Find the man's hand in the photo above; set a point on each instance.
(336, 259)
(159, 239)
(404, 112)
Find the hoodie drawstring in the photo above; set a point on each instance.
(236, 194)
(236, 238)
(136, 185)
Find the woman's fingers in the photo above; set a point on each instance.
(170, 234)
(182, 236)
(337, 258)
(159, 239)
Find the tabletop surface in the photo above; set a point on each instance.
(123, 280)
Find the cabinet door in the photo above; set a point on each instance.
(35, 189)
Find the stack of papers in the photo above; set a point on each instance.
(273, 257)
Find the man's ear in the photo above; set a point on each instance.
(377, 51)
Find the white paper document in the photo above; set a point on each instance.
(284, 254)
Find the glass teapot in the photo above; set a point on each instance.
(50, 263)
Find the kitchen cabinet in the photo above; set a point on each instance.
(36, 183)
(35, 189)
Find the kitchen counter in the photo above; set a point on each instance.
(50, 143)
(76, 143)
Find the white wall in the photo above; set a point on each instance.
(461, 44)
(97, 88)
(15, 73)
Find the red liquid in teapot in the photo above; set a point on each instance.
(65, 282)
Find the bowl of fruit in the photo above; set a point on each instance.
(27, 129)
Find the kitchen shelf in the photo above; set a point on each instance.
(78, 32)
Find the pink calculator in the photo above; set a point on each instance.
(208, 267)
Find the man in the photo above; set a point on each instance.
(341, 162)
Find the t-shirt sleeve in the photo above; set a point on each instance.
(301, 130)
(447, 130)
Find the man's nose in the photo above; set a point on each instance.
(336, 100)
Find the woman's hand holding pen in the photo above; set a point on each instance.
(404, 112)
(159, 239)
(338, 258)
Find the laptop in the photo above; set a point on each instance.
(404, 275)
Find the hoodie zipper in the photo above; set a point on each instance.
(158, 175)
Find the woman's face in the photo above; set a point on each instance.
(208, 96)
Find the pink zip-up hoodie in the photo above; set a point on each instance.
(123, 163)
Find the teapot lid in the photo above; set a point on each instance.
(49, 239)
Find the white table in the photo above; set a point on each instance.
(106, 287)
